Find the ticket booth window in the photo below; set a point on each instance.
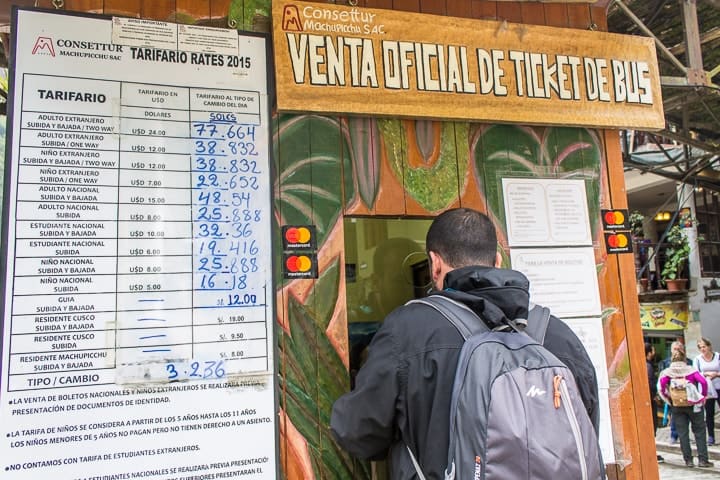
(385, 265)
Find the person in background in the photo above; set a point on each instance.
(708, 363)
(676, 346)
(687, 417)
(652, 381)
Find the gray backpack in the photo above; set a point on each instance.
(515, 410)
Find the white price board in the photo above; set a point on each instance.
(138, 303)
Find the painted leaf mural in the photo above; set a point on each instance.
(366, 149)
(555, 152)
(425, 137)
(313, 376)
(311, 153)
(576, 153)
(426, 158)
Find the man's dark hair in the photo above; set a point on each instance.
(648, 348)
(463, 237)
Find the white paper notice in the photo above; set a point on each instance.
(138, 299)
(590, 333)
(139, 32)
(197, 38)
(607, 446)
(544, 211)
(562, 279)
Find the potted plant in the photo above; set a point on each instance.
(677, 254)
(636, 224)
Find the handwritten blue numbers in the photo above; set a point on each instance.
(195, 370)
(230, 224)
(226, 179)
(226, 145)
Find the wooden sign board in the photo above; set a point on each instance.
(340, 59)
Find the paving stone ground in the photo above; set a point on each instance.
(674, 466)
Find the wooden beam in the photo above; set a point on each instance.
(696, 71)
(556, 15)
(128, 8)
(638, 438)
(406, 5)
(433, 7)
(483, 9)
(709, 36)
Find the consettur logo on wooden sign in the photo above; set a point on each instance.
(340, 59)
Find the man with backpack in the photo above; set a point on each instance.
(401, 405)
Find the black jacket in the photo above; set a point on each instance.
(652, 379)
(402, 393)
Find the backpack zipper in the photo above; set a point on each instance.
(575, 427)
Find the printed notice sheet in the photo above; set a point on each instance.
(562, 279)
(589, 331)
(137, 316)
(546, 211)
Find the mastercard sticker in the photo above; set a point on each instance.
(615, 219)
(298, 237)
(300, 265)
(618, 242)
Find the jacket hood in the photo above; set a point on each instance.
(495, 294)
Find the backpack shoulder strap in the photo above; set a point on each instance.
(538, 321)
(460, 315)
(465, 321)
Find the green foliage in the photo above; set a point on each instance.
(677, 253)
(4, 82)
(636, 223)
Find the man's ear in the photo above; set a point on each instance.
(436, 268)
(434, 263)
(498, 260)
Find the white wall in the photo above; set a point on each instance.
(709, 316)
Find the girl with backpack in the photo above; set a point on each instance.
(708, 363)
(684, 388)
